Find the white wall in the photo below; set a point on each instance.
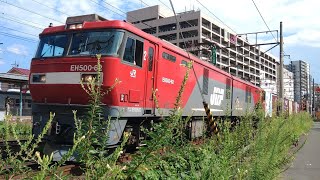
(2, 113)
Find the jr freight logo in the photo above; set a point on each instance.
(217, 96)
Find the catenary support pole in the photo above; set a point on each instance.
(313, 98)
(281, 70)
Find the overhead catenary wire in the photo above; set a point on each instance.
(22, 23)
(215, 15)
(264, 20)
(51, 7)
(106, 8)
(30, 11)
(126, 14)
(19, 31)
(18, 37)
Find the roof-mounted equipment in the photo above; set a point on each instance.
(76, 22)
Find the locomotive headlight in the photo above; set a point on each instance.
(78, 26)
(72, 26)
(88, 77)
(39, 78)
(75, 26)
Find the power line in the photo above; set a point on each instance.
(31, 11)
(164, 4)
(120, 11)
(19, 19)
(51, 7)
(263, 20)
(18, 37)
(19, 31)
(23, 23)
(106, 8)
(214, 15)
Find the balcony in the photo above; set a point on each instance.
(189, 23)
(206, 23)
(215, 29)
(168, 27)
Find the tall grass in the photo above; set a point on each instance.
(243, 153)
(22, 129)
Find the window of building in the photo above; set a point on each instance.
(133, 51)
(150, 30)
(146, 20)
(168, 27)
(169, 37)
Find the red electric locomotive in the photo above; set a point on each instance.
(142, 62)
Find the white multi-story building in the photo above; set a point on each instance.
(288, 85)
(270, 86)
(235, 55)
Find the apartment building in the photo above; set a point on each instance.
(302, 80)
(235, 54)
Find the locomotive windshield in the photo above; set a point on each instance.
(81, 44)
(52, 46)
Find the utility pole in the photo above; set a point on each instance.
(313, 103)
(281, 70)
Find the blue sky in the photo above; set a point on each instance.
(22, 20)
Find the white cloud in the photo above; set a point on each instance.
(1, 62)
(18, 49)
(308, 37)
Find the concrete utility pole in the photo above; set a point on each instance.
(313, 103)
(281, 70)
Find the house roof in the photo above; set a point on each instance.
(21, 71)
(13, 78)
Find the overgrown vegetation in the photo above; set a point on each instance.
(22, 129)
(257, 148)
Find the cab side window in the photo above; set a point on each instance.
(151, 51)
(133, 51)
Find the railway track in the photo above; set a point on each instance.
(74, 170)
(11, 143)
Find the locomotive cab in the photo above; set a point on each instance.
(66, 57)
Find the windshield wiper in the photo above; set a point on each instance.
(46, 51)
